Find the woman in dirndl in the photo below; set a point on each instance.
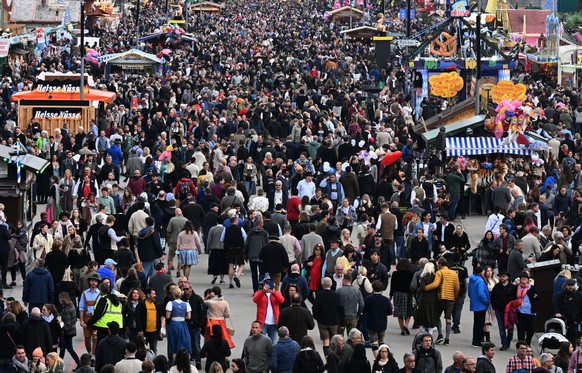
(218, 312)
(401, 295)
(491, 281)
(53, 209)
(178, 312)
(188, 247)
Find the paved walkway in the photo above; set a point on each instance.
(243, 313)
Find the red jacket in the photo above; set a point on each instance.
(260, 299)
(293, 204)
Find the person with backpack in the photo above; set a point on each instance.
(184, 186)
(428, 359)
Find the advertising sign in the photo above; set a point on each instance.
(56, 113)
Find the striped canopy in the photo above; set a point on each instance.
(482, 145)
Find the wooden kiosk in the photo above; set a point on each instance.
(57, 103)
(16, 195)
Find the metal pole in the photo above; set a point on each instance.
(167, 10)
(478, 75)
(82, 51)
(408, 11)
(137, 22)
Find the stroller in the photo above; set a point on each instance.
(554, 334)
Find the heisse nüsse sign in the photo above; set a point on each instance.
(58, 86)
(56, 114)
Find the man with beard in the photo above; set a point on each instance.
(376, 270)
(379, 246)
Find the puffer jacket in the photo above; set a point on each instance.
(478, 293)
(447, 281)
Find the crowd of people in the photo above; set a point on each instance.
(258, 147)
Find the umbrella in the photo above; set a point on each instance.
(391, 158)
(166, 51)
(371, 89)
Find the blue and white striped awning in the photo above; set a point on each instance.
(482, 145)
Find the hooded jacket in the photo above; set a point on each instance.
(478, 293)
(111, 350)
(485, 365)
(38, 287)
(256, 239)
(149, 244)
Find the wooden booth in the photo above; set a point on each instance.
(133, 61)
(57, 103)
(346, 14)
(16, 177)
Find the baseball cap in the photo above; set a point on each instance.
(110, 261)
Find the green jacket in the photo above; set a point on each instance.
(454, 182)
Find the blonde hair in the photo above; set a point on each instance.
(68, 276)
(176, 292)
(54, 356)
(428, 269)
(362, 271)
(566, 273)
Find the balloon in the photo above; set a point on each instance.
(391, 158)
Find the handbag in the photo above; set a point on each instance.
(230, 330)
(163, 331)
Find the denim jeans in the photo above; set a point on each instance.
(399, 240)
(506, 335)
(454, 202)
(250, 185)
(148, 269)
(270, 331)
(71, 350)
(195, 342)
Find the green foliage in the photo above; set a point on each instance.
(572, 22)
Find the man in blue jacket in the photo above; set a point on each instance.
(38, 287)
(479, 295)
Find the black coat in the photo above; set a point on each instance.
(141, 316)
(10, 337)
(215, 350)
(298, 320)
(308, 361)
(327, 309)
(57, 262)
(274, 258)
(569, 305)
(390, 367)
(5, 238)
(36, 333)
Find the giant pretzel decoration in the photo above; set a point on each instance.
(446, 48)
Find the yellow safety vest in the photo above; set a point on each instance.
(112, 313)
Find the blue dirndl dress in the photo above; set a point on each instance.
(177, 331)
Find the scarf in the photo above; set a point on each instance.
(48, 318)
(522, 292)
(21, 366)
